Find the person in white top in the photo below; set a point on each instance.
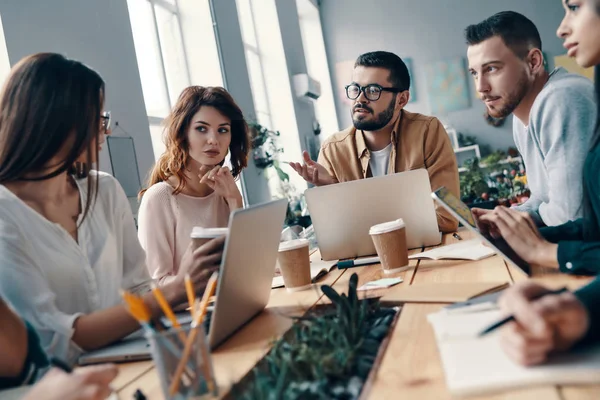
(68, 246)
(380, 160)
(189, 185)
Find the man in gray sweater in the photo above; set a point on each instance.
(554, 113)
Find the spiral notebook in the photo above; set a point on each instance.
(478, 366)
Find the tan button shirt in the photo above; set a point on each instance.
(418, 141)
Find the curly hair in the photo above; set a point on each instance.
(175, 158)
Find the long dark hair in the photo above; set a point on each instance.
(49, 104)
(176, 156)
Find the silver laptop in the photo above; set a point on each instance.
(244, 287)
(343, 213)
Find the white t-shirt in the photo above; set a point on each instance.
(380, 160)
(51, 280)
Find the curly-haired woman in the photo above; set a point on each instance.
(189, 186)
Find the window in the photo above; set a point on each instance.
(4, 61)
(253, 59)
(316, 62)
(270, 80)
(165, 36)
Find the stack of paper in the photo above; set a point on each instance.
(463, 250)
(478, 366)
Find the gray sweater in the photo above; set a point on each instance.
(554, 146)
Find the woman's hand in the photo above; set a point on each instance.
(521, 234)
(551, 323)
(86, 383)
(221, 181)
(200, 264)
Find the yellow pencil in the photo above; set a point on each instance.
(189, 288)
(198, 319)
(164, 305)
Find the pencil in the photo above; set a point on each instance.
(166, 308)
(510, 318)
(198, 318)
(189, 288)
(138, 309)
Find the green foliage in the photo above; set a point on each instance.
(323, 356)
(473, 181)
(492, 161)
(265, 149)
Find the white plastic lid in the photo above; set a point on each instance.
(199, 232)
(293, 244)
(386, 227)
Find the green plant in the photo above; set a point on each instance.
(492, 161)
(323, 356)
(265, 150)
(473, 181)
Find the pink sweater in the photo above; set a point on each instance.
(165, 222)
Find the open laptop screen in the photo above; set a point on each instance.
(462, 212)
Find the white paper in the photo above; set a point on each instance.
(479, 366)
(463, 250)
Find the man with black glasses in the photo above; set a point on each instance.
(385, 138)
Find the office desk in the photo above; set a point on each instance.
(410, 368)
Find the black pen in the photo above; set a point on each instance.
(456, 236)
(510, 318)
(60, 364)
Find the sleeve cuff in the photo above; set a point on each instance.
(570, 258)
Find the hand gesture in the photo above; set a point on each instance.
(221, 181)
(313, 172)
(551, 323)
(87, 383)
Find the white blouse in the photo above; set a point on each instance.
(51, 280)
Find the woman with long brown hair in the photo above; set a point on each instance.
(190, 185)
(68, 245)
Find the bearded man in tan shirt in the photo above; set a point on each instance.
(385, 138)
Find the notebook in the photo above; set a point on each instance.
(464, 250)
(478, 366)
(441, 292)
(318, 269)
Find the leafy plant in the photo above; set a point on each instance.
(265, 149)
(323, 356)
(473, 181)
(492, 161)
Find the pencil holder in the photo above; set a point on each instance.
(182, 359)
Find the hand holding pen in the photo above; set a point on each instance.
(543, 321)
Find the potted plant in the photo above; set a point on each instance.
(328, 354)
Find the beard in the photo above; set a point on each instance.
(512, 99)
(380, 120)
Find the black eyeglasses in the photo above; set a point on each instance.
(372, 91)
(105, 120)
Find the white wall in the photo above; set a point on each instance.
(98, 33)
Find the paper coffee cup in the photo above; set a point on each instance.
(201, 235)
(390, 242)
(294, 264)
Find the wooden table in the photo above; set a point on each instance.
(410, 368)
